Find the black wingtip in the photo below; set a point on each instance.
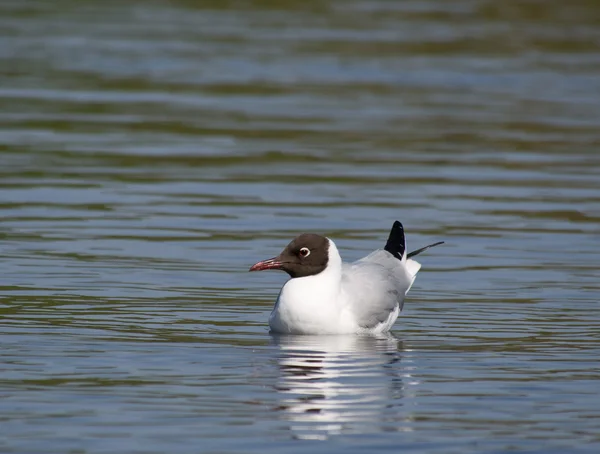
(418, 251)
(396, 244)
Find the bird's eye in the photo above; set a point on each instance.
(304, 252)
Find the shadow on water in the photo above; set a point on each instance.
(333, 385)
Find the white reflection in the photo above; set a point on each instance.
(344, 384)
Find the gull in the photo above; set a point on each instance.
(327, 296)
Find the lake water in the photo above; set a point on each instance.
(150, 152)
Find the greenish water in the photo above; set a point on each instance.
(150, 152)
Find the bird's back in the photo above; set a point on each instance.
(375, 287)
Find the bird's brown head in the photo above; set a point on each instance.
(306, 255)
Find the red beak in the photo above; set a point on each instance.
(271, 264)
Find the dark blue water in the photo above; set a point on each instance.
(150, 152)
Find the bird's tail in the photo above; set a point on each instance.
(418, 251)
(413, 266)
(396, 243)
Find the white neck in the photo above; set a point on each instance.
(334, 263)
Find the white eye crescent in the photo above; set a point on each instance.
(304, 252)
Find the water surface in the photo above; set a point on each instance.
(150, 152)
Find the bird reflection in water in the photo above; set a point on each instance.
(331, 385)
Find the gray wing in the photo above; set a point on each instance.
(375, 286)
